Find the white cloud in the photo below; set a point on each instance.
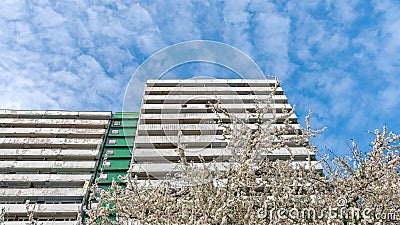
(389, 98)
(382, 40)
(345, 10)
(176, 22)
(71, 56)
(12, 10)
(236, 25)
(45, 17)
(271, 38)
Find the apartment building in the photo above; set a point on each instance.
(48, 160)
(179, 112)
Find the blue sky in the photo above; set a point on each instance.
(340, 58)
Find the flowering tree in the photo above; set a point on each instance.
(361, 188)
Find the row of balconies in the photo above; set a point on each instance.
(51, 132)
(48, 154)
(211, 82)
(6, 113)
(194, 132)
(159, 155)
(192, 140)
(6, 179)
(44, 193)
(43, 210)
(56, 123)
(200, 110)
(239, 107)
(203, 99)
(144, 129)
(203, 116)
(49, 143)
(49, 221)
(161, 170)
(211, 91)
(37, 167)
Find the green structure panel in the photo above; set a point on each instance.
(111, 176)
(126, 115)
(106, 186)
(124, 123)
(118, 147)
(122, 132)
(119, 152)
(119, 142)
(116, 164)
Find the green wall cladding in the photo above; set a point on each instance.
(115, 164)
(119, 152)
(122, 132)
(119, 141)
(118, 146)
(125, 123)
(126, 115)
(112, 175)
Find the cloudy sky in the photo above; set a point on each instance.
(341, 58)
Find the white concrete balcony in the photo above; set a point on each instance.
(159, 155)
(44, 192)
(181, 116)
(58, 114)
(43, 222)
(225, 90)
(192, 140)
(149, 99)
(51, 132)
(78, 123)
(52, 178)
(177, 183)
(43, 209)
(204, 108)
(234, 107)
(161, 170)
(143, 129)
(47, 166)
(49, 154)
(50, 142)
(219, 82)
(148, 153)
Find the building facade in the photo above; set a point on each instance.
(47, 162)
(179, 112)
